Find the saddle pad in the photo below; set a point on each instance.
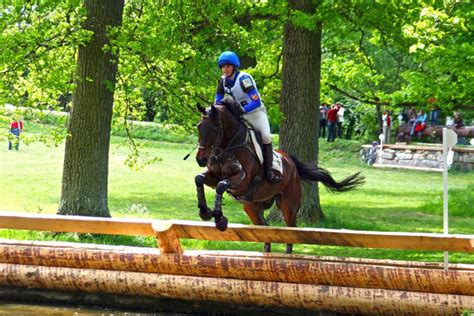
(276, 164)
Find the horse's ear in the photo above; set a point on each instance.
(200, 108)
(213, 110)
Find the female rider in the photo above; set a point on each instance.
(243, 90)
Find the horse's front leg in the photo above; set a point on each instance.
(220, 219)
(209, 180)
(232, 182)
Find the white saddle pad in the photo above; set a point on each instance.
(277, 163)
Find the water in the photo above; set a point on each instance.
(27, 309)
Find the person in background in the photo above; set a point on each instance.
(419, 125)
(458, 122)
(434, 111)
(386, 125)
(332, 123)
(323, 119)
(340, 119)
(16, 128)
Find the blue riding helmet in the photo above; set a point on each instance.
(230, 58)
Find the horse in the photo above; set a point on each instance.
(232, 166)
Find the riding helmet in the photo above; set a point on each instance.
(230, 58)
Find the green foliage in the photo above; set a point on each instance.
(394, 52)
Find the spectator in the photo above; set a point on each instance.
(434, 115)
(419, 124)
(332, 122)
(16, 128)
(458, 121)
(323, 119)
(340, 119)
(434, 111)
(386, 125)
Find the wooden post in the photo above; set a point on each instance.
(167, 238)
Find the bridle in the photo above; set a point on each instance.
(217, 152)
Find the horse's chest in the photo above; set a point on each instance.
(226, 167)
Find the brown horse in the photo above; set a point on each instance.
(232, 167)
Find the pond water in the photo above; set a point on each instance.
(28, 309)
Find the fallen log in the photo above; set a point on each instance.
(384, 274)
(243, 292)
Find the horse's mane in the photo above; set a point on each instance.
(231, 106)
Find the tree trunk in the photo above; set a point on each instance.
(300, 101)
(86, 158)
(378, 114)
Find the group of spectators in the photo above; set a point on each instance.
(419, 120)
(331, 118)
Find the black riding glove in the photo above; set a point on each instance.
(240, 109)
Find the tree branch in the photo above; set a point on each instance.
(459, 106)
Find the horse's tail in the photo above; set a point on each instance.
(309, 172)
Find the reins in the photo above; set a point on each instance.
(218, 152)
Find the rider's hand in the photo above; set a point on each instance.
(239, 108)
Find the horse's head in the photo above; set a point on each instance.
(208, 128)
(216, 123)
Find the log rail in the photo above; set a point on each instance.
(168, 233)
(347, 285)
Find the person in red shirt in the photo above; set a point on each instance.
(16, 127)
(332, 123)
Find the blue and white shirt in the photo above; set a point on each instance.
(243, 89)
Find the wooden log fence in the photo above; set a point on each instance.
(167, 233)
(346, 285)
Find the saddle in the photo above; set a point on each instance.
(257, 144)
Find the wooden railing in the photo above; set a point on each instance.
(168, 233)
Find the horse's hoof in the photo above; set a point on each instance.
(205, 214)
(289, 248)
(267, 248)
(221, 223)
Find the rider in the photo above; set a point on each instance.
(243, 90)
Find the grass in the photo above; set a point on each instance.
(391, 200)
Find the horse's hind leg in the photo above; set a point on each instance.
(289, 202)
(255, 213)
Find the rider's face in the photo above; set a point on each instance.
(227, 70)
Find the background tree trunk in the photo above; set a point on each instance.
(86, 158)
(300, 101)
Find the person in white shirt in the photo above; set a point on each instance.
(340, 118)
(386, 125)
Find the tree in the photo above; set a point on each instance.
(85, 173)
(300, 97)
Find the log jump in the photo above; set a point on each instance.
(247, 278)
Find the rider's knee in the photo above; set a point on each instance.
(199, 179)
(266, 139)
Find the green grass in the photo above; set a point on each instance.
(391, 200)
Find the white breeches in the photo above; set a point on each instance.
(259, 120)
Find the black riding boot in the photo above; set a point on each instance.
(271, 175)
